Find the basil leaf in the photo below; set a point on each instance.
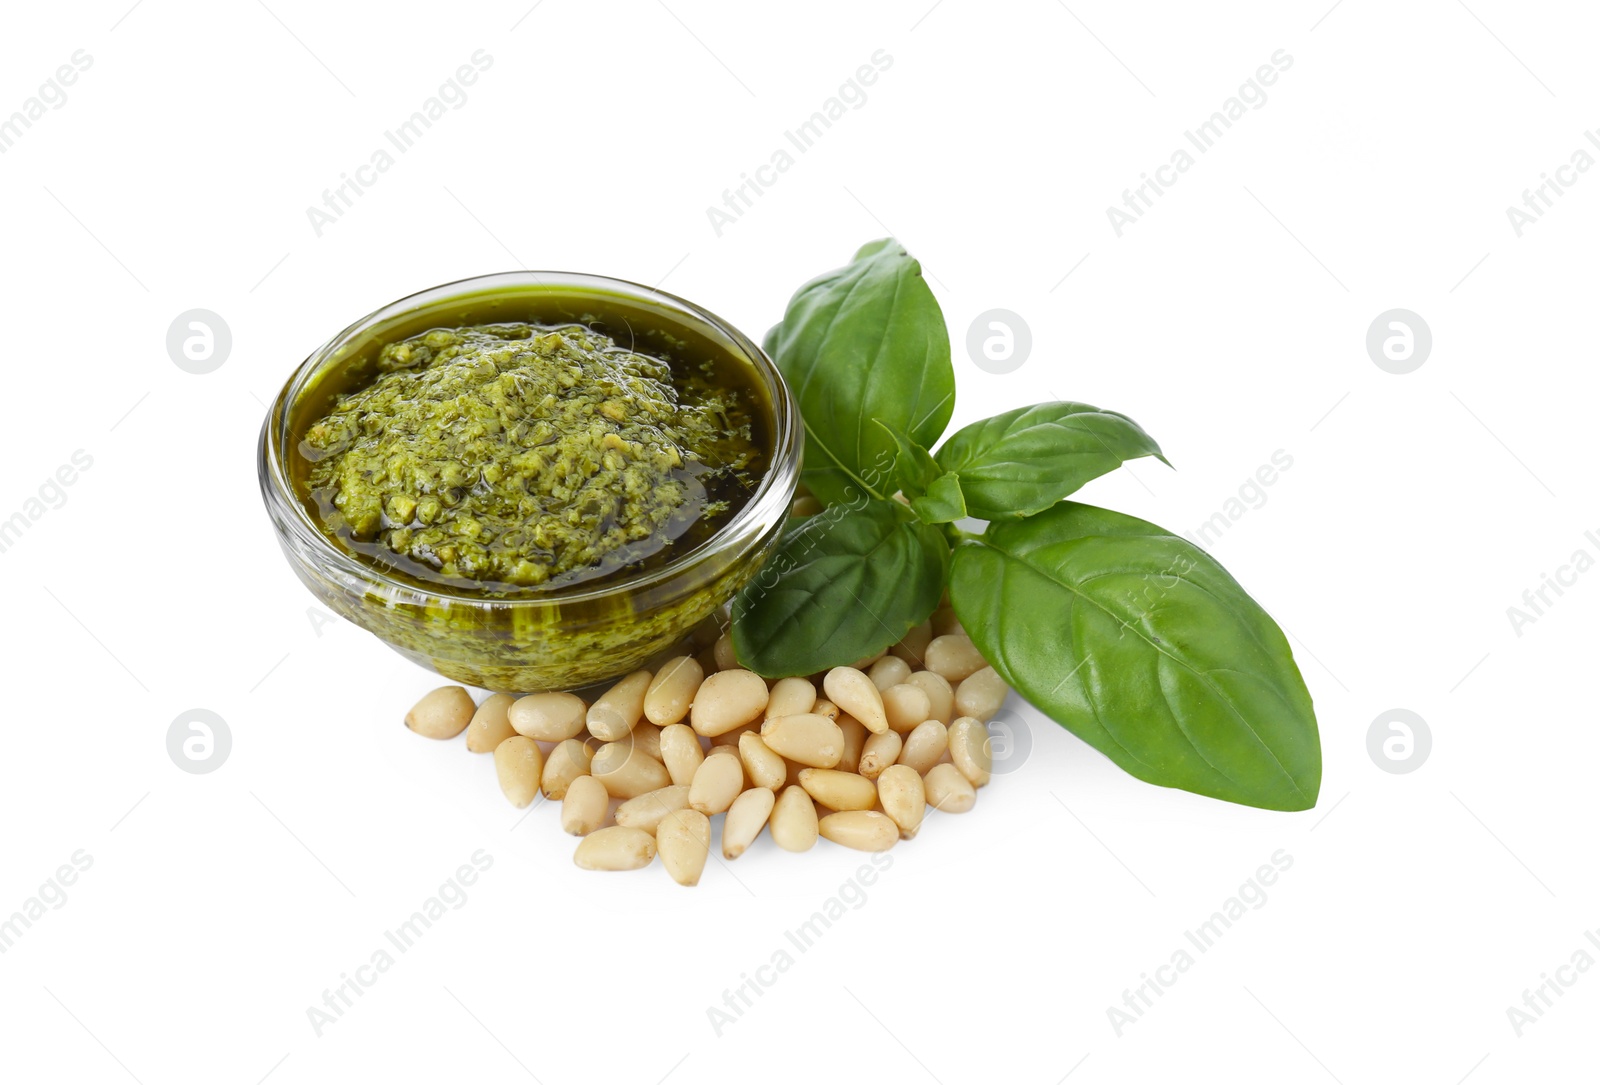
(866, 341)
(1140, 644)
(914, 468)
(844, 585)
(1022, 462)
(943, 503)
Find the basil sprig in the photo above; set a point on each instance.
(1132, 638)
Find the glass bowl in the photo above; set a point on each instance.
(564, 637)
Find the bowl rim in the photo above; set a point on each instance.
(777, 483)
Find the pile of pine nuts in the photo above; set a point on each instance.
(641, 770)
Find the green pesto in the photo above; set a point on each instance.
(509, 456)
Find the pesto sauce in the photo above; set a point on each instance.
(508, 456)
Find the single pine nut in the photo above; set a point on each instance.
(681, 752)
(945, 623)
(684, 840)
(864, 830)
(806, 739)
(823, 707)
(954, 657)
(880, 752)
(791, 697)
(839, 790)
(728, 700)
(490, 725)
(855, 737)
(646, 811)
(925, 746)
(518, 762)
(548, 717)
(979, 695)
(941, 696)
(613, 715)
(765, 768)
(722, 651)
(970, 751)
(671, 691)
(948, 790)
(805, 506)
(914, 645)
(627, 772)
(889, 671)
(794, 820)
(903, 797)
(745, 819)
(854, 693)
(616, 847)
(905, 706)
(568, 761)
(584, 808)
(442, 713)
(716, 784)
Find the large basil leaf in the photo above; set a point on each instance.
(843, 585)
(1140, 644)
(865, 342)
(1021, 462)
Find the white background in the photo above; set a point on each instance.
(1230, 321)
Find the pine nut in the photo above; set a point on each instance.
(442, 713)
(914, 645)
(613, 715)
(490, 726)
(901, 792)
(805, 506)
(794, 820)
(925, 746)
(716, 784)
(941, 697)
(864, 830)
(646, 811)
(823, 707)
(568, 761)
(616, 847)
(548, 717)
(905, 706)
(810, 740)
(722, 651)
(791, 697)
(584, 808)
(854, 692)
(765, 768)
(671, 691)
(880, 752)
(745, 819)
(727, 700)
(979, 695)
(839, 790)
(889, 671)
(518, 762)
(954, 657)
(684, 840)
(681, 752)
(948, 790)
(855, 737)
(627, 772)
(970, 751)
